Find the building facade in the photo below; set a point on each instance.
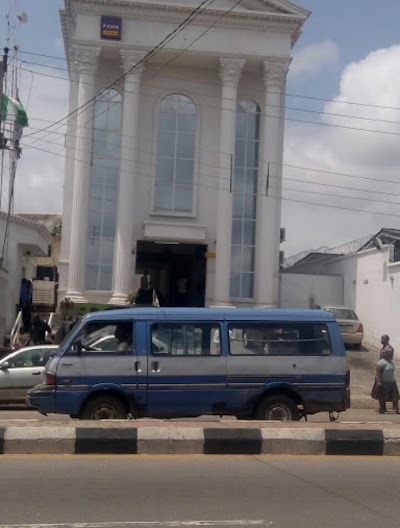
(174, 149)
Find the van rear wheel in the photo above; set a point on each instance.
(280, 408)
(105, 407)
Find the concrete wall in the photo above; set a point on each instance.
(303, 291)
(378, 296)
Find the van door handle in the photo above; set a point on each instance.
(138, 366)
(36, 373)
(67, 364)
(155, 366)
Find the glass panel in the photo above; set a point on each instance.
(240, 153)
(95, 204)
(235, 285)
(91, 277)
(249, 206)
(108, 224)
(99, 142)
(93, 250)
(247, 285)
(107, 251)
(184, 171)
(187, 123)
(100, 120)
(237, 205)
(110, 198)
(166, 144)
(253, 132)
(241, 123)
(167, 122)
(252, 154)
(236, 258)
(105, 282)
(185, 146)
(239, 180)
(183, 198)
(249, 233)
(165, 170)
(96, 191)
(94, 225)
(163, 194)
(248, 259)
(251, 181)
(185, 340)
(237, 232)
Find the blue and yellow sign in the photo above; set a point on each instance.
(111, 28)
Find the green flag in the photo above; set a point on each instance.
(13, 111)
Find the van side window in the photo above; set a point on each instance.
(184, 339)
(279, 339)
(104, 337)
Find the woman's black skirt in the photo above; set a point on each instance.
(388, 391)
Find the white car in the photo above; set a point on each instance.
(22, 370)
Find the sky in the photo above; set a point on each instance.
(341, 159)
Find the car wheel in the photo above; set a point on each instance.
(105, 407)
(281, 408)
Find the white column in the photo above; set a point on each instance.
(230, 72)
(129, 146)
(86, 64)
(269, 187)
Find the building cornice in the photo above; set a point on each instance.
(15, 219)
(253, 19)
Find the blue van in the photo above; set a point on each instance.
(261, 364)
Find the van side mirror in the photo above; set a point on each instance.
(5, 365)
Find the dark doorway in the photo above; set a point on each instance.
(177, 271)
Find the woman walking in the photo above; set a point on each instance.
(385, 388)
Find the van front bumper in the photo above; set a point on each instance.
(43, 398)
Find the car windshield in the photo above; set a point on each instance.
(343, 313)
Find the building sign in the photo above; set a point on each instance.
(111, 28)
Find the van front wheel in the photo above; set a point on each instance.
(280, 408)
(105, 407)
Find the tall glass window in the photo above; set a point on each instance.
(244, 200)
(103, 190)
(176, 139)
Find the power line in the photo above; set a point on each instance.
(214, 187)
(294, 109)
(286, 118)
(198, 10)
(288, 94)
(284, 179)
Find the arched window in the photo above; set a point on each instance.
(176, 138)
(245, 200)
(103, 190)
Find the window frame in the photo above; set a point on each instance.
(212, 326)
(276, 324)
(245, 170)
(69, 352)
(103, 240)
(196, 155)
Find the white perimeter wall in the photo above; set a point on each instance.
(304, 291)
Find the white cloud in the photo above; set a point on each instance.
(367, 153)
(314, 58)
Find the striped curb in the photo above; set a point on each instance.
(198, 441)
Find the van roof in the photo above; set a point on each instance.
(213, 314)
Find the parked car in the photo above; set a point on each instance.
(22, 370)
(350, 326)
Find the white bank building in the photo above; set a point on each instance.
(174, 149)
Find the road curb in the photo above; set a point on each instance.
(199, 441)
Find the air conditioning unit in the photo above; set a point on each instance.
(283, 235)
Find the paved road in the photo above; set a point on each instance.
(128, 492)
(352, 415)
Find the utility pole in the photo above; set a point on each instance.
(3, 69)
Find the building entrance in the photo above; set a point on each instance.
(176, 271)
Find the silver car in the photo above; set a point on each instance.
(22, 370)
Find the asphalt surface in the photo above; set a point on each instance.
(126, 492)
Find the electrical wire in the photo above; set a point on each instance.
(288, 94)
